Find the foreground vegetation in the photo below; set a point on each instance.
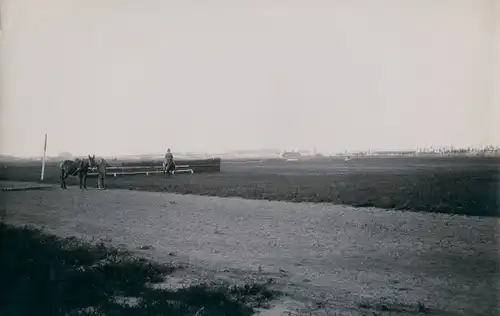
(466, 186)
(43, 275)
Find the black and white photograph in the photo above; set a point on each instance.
(249, 157)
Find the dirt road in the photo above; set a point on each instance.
(341, 256)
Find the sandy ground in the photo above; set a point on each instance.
(335, 255)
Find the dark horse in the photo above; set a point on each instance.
(168, 168)
(75, 167)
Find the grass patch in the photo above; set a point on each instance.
(44, 275)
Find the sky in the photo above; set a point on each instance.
(113, 77)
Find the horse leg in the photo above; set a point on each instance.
(167, 170)
(85, 181)
(66, 175)
(62, 178)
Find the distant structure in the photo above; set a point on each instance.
(290, 155)
(449, 151)
(65, 156)
(393, 153)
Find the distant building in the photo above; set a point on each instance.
(290, 154)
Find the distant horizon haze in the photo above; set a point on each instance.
(120, 77)
(249, 153)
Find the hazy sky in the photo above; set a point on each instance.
(122, 76)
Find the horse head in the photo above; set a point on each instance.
(92, 162)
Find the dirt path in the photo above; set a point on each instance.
(334, 254)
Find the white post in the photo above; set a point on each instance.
(1, 29)
(44, 156)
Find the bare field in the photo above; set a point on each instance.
(468, 186)
(326, 258)
(342, 259)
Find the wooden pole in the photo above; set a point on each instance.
(44, 157)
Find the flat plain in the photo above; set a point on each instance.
(454, 185)
(372, 255)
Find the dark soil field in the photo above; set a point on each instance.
(455, 185)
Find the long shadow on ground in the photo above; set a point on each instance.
(44, 275)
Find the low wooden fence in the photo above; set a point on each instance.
(155, 167)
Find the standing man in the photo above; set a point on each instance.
(101, 174)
